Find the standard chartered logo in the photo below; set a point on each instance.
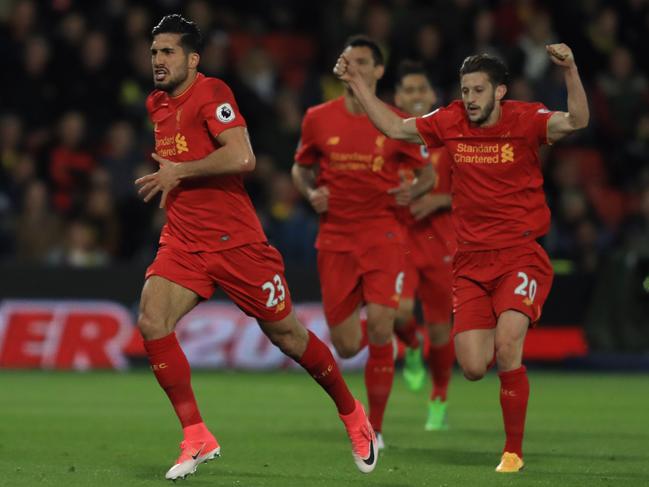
(483, 153)
(181, 144)
(507, 153)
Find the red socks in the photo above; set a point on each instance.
(379, 373)
(364, 340)
(171, 368)
(318, 361)
(514, 393)
(407, 333)
(440, 362)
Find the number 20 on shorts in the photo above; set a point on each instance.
(276, 291)
(527, 287)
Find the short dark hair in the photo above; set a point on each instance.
(495, 69)
(364, 41)
(191, 39)
(408, 67)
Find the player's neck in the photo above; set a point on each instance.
(181, 88)
(352, 105)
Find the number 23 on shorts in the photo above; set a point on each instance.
(276, 291)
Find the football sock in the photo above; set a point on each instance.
(364, 339)
(318, 361)
(514, 393)
(379, 374)
(408, 333)
(171, 368)
(440, 361)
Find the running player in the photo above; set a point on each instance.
(349, 172)
(213, 238)
(501, 275)
(430, 247)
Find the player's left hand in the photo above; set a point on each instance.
(403, 193)
(164, 179)
(561, 55)
(427, 204)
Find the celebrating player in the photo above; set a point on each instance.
(430, 246)
(349, 172)
(501, 275)
(213, 238)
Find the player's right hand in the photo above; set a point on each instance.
(319, 199)
(343, 69)
(427, 204)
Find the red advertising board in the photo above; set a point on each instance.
(84, 335)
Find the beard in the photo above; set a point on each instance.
(486, 112)
(170, 84)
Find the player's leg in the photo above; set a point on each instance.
(518, 300)
(406, 328)
(341, 300)
(382, 282)
(162, 304)
(253, 277)
(514, 385)
(474, 327)
(435, 295)
(315, 357)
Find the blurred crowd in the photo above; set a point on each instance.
(74, 132)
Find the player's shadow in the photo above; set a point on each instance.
(445, 455)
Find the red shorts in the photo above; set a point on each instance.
(486, 283)
(432, 285)
(251, 275)
(348, 279)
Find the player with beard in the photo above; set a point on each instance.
(501, 275)
(430, 246)
(213, 238)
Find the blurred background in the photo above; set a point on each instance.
(74, 134)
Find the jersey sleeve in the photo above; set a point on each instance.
(307, 152)
(412, 156)
(428, 129)
(538, 119)
(441, 160)
(219, 110)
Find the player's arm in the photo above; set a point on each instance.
(408, 191)
(561, 124)
(379, 113)
(234, 156)
(430, 203)
(304, 178)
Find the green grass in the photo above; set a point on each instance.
(279, 429)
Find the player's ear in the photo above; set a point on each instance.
(379, 71)
(193, 60)
(501, 91)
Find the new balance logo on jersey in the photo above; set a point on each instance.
(335, 140)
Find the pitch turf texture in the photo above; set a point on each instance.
(279, 429)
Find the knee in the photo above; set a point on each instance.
(290, 342)
(508, 353)
(474, 373)
(439, 334)
(150, 327)
(473, 370)
(345, 346)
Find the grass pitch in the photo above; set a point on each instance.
(279, 429)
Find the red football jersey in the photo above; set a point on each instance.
(432, 238)
(497, 188)
(208, 213)
(358, 164)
